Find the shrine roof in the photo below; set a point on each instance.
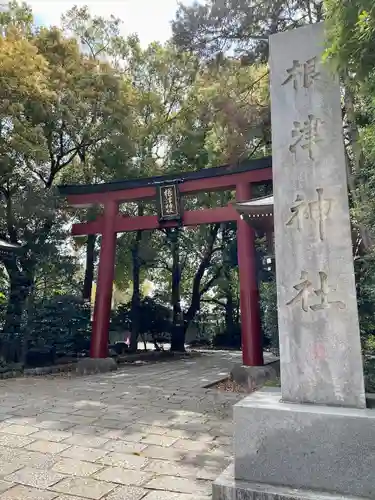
(256, 207)
(79, 189)
(257, 212)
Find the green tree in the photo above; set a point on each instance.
(214, 28)
(111, 158)
(160, 78)
(59, 91)
(351, 35)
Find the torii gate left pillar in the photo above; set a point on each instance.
(106, 272)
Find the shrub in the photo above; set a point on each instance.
(62, 321)
(268, 306)
(369, 371)
(154, 317)
(228, 339)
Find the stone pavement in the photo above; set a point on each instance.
(144, 432)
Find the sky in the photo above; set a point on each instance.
(149, 18)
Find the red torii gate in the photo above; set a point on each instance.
(110, 195)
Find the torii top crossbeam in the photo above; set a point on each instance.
(211, 179)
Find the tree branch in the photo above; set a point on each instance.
(210, 282)
(213, 301)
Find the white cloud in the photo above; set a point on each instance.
(149, 18)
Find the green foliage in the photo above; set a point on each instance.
(59, 106)
(268, 304)
(212, 28)
(155, 318)
(369, 371)
(365, 279)
(369, 344)
(351, 35)
(62, 321)
(350, 42)
(228, 339)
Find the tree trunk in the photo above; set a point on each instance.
(30, 309)
(178, 330)
(197, 290)
(227, 285)
(229, 311)
(20, 286)
(356, 189)
(136, 296)
(19, 290)
(89, 272)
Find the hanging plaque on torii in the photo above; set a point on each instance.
(169, 203)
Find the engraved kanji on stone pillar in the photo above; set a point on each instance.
(305, 290)
(302, 74)
(317, 211)
(306, 135)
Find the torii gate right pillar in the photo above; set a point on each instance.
(251, 331)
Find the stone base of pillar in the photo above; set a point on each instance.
(312, 448)
(226, 487)
(252, 377)
(87, 366)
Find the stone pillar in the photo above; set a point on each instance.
(251, 332)
(102, 310)
(320, 346)
(283, 447)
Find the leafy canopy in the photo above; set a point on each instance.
(351, 35)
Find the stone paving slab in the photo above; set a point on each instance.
(163, 453)
(37, 478)
(9, 467)
(168, 495)
(13, 441)
(47, 447)
(25, 493)
(73, 467)
(124, 476)
(19, 430)
(5, 485)
(35, 459)
(124, 447)
(50, 435)
(82, 453)
(127, 493)
(84, 487)
(148, 432)
(68, 497)
(86, 441)
(133, 462)
(180, 485)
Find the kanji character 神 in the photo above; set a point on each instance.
(300, 211)
(319, 210)
(315, 210)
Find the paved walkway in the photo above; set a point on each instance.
(144, 432)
